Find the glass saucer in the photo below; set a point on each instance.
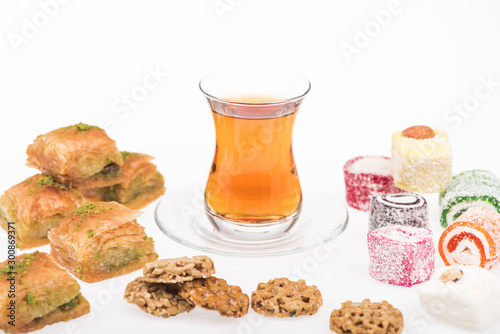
(181, 216)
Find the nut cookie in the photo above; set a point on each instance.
(367, 318)
(178, 270)
(283, 298)
(161, 300)
(214, 293)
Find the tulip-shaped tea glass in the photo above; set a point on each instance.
(253, 191)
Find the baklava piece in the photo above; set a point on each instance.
(140, 184)
(44, 294)
(101, 240)
(81, 154)
(35, 206)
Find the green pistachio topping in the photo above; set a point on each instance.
(32, 192)
(30, 299)
(69, 305)
(85, 127)
(48, 180)
(45, 181)
(89, 209)
(21, 265)
(126, 155)
(82, 127)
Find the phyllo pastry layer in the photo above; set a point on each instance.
(42, 294)
(141, 183)
(35, 206)
(81, 154)
(101, 240)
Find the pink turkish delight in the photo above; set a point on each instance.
(365, 177)
(401, 255)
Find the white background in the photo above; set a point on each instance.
(76, 66)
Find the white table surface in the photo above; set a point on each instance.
(78, 66)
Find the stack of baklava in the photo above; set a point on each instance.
(75, 205)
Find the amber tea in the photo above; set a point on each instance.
(253, 191)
